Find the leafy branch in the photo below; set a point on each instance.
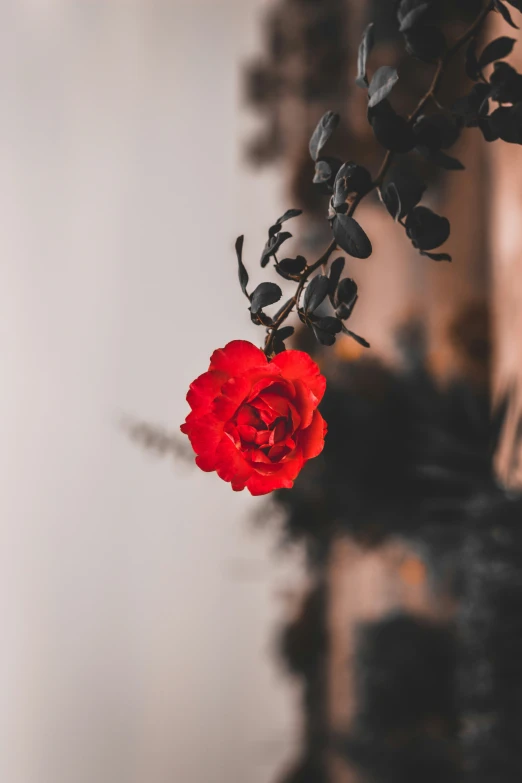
(429, 130)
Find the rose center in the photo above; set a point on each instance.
(262, 433)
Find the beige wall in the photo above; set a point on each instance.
(505, 202)
(137, 602)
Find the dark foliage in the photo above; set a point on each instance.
(382, 84)
(404, 676)
(304, 642)
(325, 127)
(402, 192)
(365, 48)
(405, 726)
(490, 626)
(428, 131)
(351, 237)
(392, 131)
(415, 759)
(426, 229)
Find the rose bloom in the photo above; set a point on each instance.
(255, 422)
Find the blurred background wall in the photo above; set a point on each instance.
(138, 602)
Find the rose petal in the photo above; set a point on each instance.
(283, 479)
(275, 383)
(204, 389)
(257, 456)
(231, 465)
(248, 415)
(274, 401)
(234, 391)
(311, 440)
(278, 433)
(206, 462)
(263, 437)
(279, 451)
(237, 357)
(262, 485)
(204, 433)
(297, 365)
(289, 466)
(272, 406)
(247, 434)
(306, 402)
(266, 413)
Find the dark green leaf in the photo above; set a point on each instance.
(329, 324)
(382, 84)
(390, 129)
(325, 127)
(273, 230)
(346, 291)
(315, 293)
(260, 319)
(505, 123)
(411, 13)
(437, 256)
(496, 50)
(362, 59)
(351, 237)
(501, 8)
(273, 245)
(345, 298)
(409, 187)
(289, 214)
(265, 294)
(325, 338)
(344, 311)
(392, 200)
(279, 337)
(291, 266)
(350, 178)
(505, 84)
(243, 274)
(336, 270)
(356, 337)
(285, 332)
(488, 129)
(426, 229)
(323, 173)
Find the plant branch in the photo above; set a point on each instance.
(431, 94)
(305, 274)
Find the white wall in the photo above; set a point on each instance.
(137, 599)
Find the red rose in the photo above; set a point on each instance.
(253, 421)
